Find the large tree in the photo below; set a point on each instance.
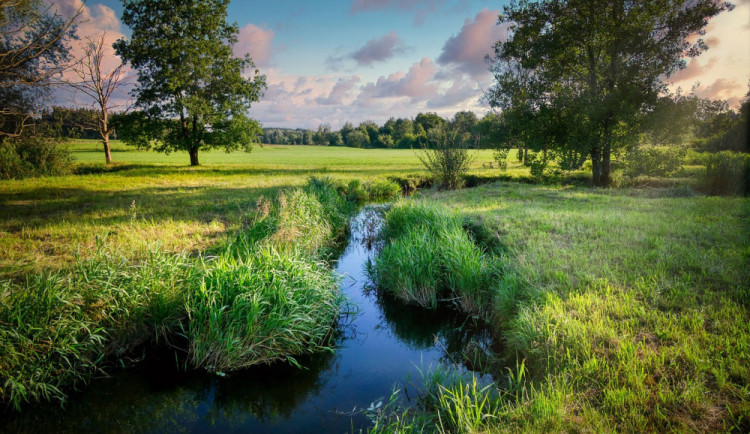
(191, 89)
(577, 76)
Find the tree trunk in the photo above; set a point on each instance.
(104, 132)
(596, 167)
(107, 150)
(605, 177)
(194, 157)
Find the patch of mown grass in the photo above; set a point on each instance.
(628, 308)
(263, 296)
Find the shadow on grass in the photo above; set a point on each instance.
(38, 207)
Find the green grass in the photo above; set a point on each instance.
(266, 294)
(146, 196)
(619, 309)
(627, 308)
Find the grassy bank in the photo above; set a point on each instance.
(264, 295)
(619, 309)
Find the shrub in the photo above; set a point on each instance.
(653, 161)
(448, 161)
(33, 156)
(727, 173)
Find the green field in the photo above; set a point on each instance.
(618, 309)
(151, 197)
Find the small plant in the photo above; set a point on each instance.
(448, 161)
(501, 158)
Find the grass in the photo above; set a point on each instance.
(627, 308)
(146, 196)
(428, 257)
(260, 297)
(620, 309)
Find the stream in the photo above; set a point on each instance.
(383, 345)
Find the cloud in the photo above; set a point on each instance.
(728, 38)
(378, 50)
(340, 90)
(693, 70)
(416, 83)
(423, 8)
(459, 92)
(467, 49)
(726, 89)
(257, 42)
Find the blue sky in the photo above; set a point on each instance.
(334, 61)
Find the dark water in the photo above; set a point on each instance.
(384, 344)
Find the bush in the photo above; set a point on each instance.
(448, 162)
(652, 161)
(727, 173)
(33, 156)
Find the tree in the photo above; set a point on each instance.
(98, 84)
(33, 51)
(191, 88)
(465, 122)
(578, 75)
(429, 121)
(358, 138)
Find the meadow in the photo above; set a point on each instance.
(618, 309)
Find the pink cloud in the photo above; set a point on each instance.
(340, 90)
(468, 48)
(257, 42)
(693, 70)
(728, 90)
(416, 83)
(94, 22)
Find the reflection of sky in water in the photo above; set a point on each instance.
(384, 344)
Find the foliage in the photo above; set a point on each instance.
(577, 75)
(654, 161)
(726, 130)
(448, 160)
(726, 173)
(29, 156)
(190, 87)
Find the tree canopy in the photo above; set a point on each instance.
(577, 76)
(191, 89)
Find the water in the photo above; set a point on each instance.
(386, 343)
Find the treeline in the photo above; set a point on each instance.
(423, 131)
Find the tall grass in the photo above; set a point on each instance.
(263, 296)
(266, 307)
(428, 257)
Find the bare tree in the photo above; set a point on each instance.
(91, 79)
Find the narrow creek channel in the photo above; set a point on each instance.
(385, 343)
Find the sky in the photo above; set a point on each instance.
(333, 61)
